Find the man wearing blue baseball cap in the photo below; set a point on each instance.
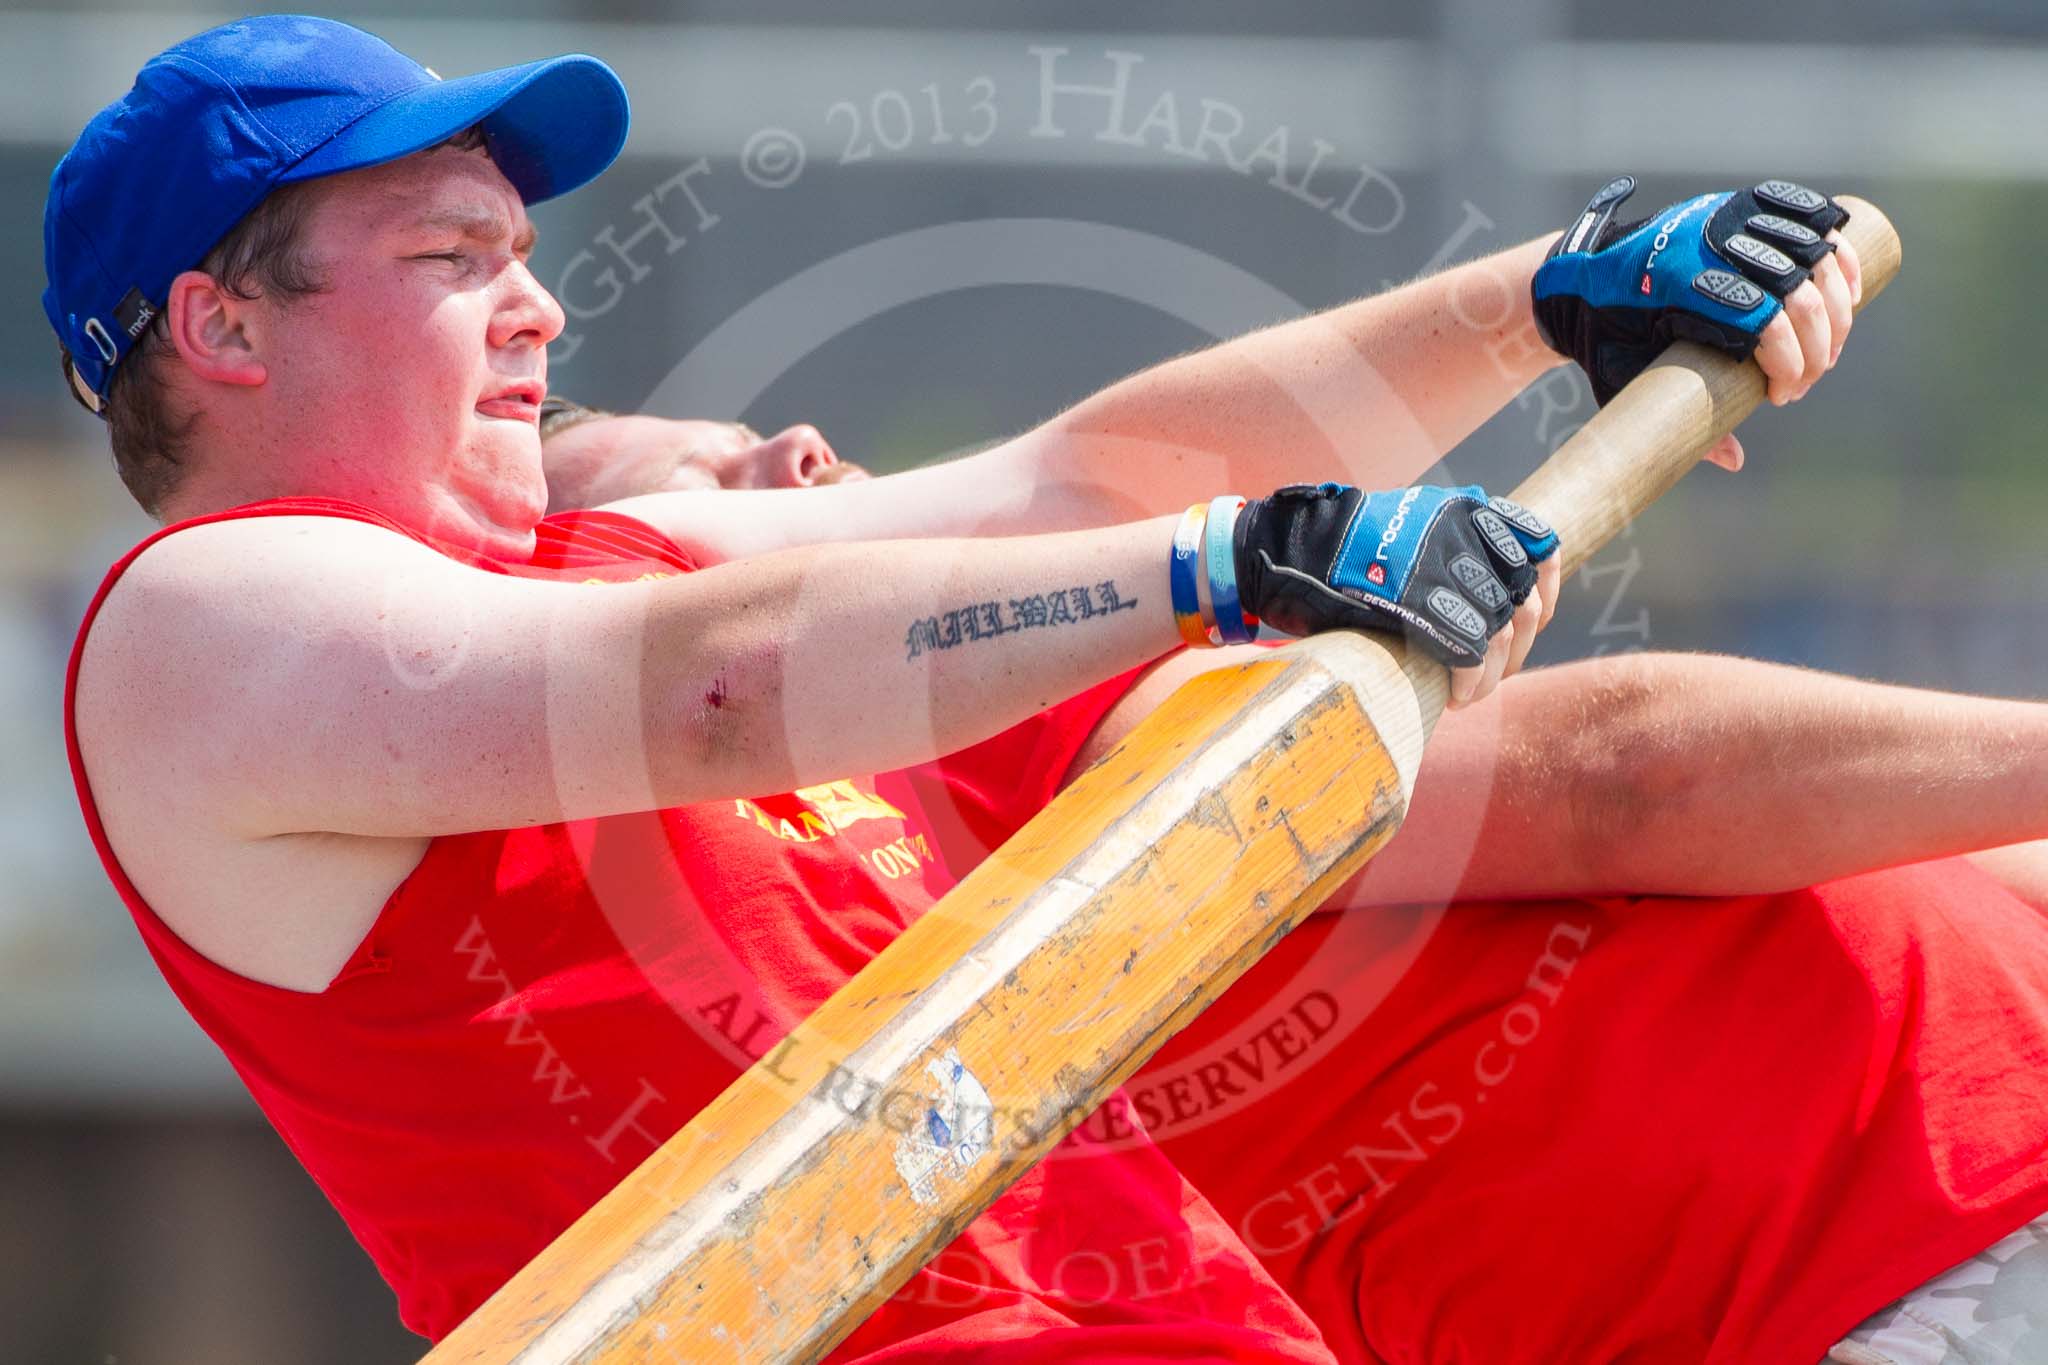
(445, 820)
(211, 159)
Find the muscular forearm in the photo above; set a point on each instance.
(1708, 775)
(1699, 775)
(805, 665)
(1372, 392)
(1691, 775)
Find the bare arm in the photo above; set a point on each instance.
(1690, 775)
(1372, 392)
(374, 687)
(1739, 776)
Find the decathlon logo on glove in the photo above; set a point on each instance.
(1444, 567)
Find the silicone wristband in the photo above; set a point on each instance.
(1181, 571)
(1232, 628)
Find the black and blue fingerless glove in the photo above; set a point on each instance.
(1444, 567)
(1713, 269)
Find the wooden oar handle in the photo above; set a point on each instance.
(1607, 473)
(1642, 443)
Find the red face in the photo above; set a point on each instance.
(413, 381)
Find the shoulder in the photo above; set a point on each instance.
(201, 581)
(184, 690)
(202, 615)
(241, 547)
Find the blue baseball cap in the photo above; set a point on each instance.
(217, 122)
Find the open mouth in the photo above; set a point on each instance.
(520, 403)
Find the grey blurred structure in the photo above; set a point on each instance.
(1259, 161)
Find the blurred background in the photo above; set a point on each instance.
(1886, 527)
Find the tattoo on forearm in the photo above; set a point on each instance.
(986, 620)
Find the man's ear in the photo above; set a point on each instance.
(214, 331)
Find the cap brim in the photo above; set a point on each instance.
(551, 125)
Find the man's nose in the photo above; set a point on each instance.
(526, 309)
(798, 457)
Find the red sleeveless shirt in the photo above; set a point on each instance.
(1644, 1130)
(534, 1010)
